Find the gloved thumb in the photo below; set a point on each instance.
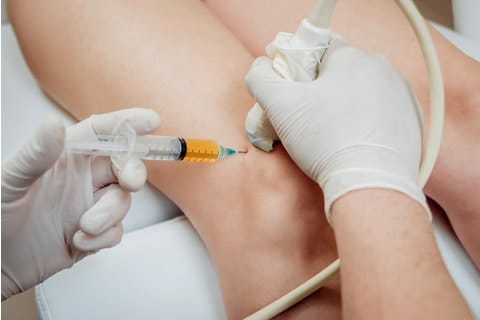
(262, 80)
(33, 159)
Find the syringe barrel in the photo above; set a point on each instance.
(174, 148)
(200, 150)
(159, 148)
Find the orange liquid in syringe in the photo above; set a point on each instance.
(199, 150)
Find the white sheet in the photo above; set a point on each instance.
(160, 272)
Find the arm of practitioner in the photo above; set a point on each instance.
(389, 260)
(356, 131)
(58, 208)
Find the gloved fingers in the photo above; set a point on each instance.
(132, 175)
(142, 120)
(262, 80)
(102, 173)
(107, 239)
(110, 208)
(34, 159)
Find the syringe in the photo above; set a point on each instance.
(152, 147)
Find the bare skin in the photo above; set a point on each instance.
(363, 221)
(265, 219)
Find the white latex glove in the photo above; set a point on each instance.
(296, 59)
(58, 207)
(358, 125)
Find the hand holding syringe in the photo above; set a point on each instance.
(125, 143)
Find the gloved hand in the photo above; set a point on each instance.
(358, 125)
(59, 207)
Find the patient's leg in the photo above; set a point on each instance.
(379, 26)
(259, 216)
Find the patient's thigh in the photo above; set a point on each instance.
(368, 24)
(375, 25)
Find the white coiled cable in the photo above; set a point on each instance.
(437, 111)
